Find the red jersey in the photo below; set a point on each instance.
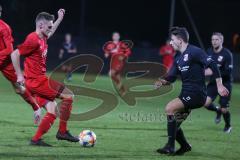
(34, 49)
(6, 40)
(119, 48)
(167, 52)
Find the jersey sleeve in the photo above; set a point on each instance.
(228, 66)
(28, 46)
(202, 58)
(172, 73)
(125, 49)
(108, 47)
(7, 40)
(127, 52)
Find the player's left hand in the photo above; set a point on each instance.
(61, 13)
(223, 91)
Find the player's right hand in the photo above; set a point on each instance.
(61, 13)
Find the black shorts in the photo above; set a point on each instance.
(192, 100)
(212, 92)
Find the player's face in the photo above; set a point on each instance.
(175, 42)
(216, 41)
(68, 38)
(46, 27)
(115, 37)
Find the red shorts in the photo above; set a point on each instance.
(44, 89)
(117, 64)
(7, 69)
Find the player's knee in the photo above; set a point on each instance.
(208, 102)
(51, 107)
(169, 109)
(68, 97)
(224, 110)
(112, 72)
(67, 94)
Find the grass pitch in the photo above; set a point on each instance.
(124, 133)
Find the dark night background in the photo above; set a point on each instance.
(145, 22)
(141, 20)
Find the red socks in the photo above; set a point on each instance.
(44, 126)
(65, 111)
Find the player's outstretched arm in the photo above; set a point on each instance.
(15, 56)
(223, 91)
(61, 13)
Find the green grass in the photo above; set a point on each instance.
(118, 135)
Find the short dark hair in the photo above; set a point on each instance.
(219, 34)
(44, 16)
(180, 32)
(115, 32)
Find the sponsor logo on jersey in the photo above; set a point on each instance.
(220, 58)
(185, 58)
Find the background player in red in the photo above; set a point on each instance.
(167, 52)
(45, 89)
(6, 67)
(119, 51)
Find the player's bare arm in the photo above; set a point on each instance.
(15, 56)
(222, 90)
(61, 13)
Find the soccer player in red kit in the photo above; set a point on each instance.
(46, 90)
(119, 51)
(167, 52)
(6, 67)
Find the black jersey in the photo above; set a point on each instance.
(224, 62)
(191, 65)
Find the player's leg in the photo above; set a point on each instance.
(69, 72)
(64, 109)
(184, 103)
(9, 73)
(115, 74)
(51, 89)
(46, 123)
(180, 138)
(224, 103)
(174, 106)
(213, 93)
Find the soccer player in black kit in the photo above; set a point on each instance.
(224, 60)
(190, 65)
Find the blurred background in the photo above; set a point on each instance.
(145, 22)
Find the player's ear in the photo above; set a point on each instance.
(40, 25)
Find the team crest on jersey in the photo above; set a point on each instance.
(220, 58)
(185, 58)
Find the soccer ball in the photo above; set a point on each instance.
(87, 138)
